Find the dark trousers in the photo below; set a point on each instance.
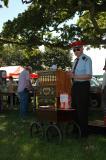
(81, 101)
(104, 100)
(9, 97)
(24, 102)
(0, 104)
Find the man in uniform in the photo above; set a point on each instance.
(81, 75)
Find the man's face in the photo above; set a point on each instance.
(78, 50)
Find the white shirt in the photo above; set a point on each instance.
(23, 80)
(84, 66)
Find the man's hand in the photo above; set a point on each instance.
(69, 73)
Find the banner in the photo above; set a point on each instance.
(65, 101)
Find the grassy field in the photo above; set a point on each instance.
(16, 143)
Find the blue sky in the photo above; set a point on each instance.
(14, 8)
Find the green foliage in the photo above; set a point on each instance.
(86, 25)
(37, 24)
(12, 55)
(16, 55)
(6, 2)
(57, 56)
(33, 58)
(16, 143)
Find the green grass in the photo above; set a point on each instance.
(16, 143)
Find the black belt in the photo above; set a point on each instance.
(80, 82)
(26, 90)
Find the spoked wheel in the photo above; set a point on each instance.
(73, 130)
(36, 130)
(53, 134)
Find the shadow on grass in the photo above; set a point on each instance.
(16, 143)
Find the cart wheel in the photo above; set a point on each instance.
(73, 130)
(36, 130)
(53, 134)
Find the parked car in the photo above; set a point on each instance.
(95, 92)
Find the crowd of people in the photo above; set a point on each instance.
(17, 93)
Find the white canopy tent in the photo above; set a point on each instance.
(13, 71)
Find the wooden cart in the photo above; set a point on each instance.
(52, 120)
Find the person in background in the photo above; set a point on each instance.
(24, 86)
(104, 93)
(11, 85)
(81, 75)
(1, 62)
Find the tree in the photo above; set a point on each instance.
(57, 56)
(17, 55)
(96, 33)
(5, 2)
(34, 27)
(12, 54)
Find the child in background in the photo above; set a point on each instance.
(11, 85)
